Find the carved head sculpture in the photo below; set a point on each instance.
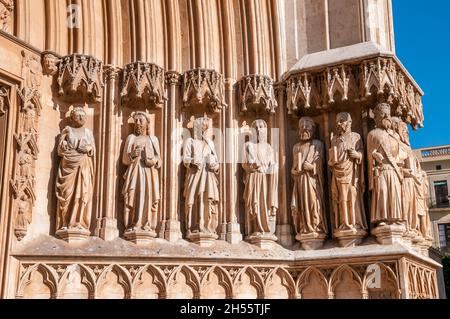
(306, 127)
(343, 123)
(141, 122)
(260, 128)
(401, 128)
(50, 63)
(78, 117)
(382, 116)
(202, 127)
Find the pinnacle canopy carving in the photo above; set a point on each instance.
(80, 78)
(143, 84)
(256, 92)
(203, 87)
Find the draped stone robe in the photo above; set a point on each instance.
(307, 203)
(141, 188)
(261, 187)
(385, 178)
(201, 188)
(411, 186)
(75, 180)
(347, 182)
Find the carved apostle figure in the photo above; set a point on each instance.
(261, 185)
(347, 183)
(385, 178)
(307, 203)
(75, 180)
(141, 155)
(412, 184)
(201, 188)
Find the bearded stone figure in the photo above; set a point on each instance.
(261, 187)
(75, 180)
(307, 204)
(385, 178)
(141, 155)
(201, 188)
(347, 183)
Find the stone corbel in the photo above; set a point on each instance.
(50, 63)
(143, 85)
(256, 92)
(203, 87)
(80, 78)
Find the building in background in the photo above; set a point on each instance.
(436, 162)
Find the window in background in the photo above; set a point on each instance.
(441, 192)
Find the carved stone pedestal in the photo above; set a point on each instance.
(263, 241)
(203, 239)
(139, 237)
(311, 241)
(350, 237)
(389, 234)
(108, 229)
(172, 230)
(234, 235)
(73, 235)
(284, 234)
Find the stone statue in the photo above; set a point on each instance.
(307, 205)
(141, 155)
(201, 188)
(75, 180)
(261, 187)
(385, 178)
(347, 182)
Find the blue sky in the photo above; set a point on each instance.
(422, 37)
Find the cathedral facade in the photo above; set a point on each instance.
(209, 149)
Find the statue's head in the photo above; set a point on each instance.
(306, 128)
(382, 113)
(401, 128)
(202, 127)
(141, 122)
(78, 116)
(343, 123)
(260, 128)
(50, 62)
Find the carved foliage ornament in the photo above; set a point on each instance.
(257, 91)
(4, 100)
(23, 181)
(6, 11)
(355, 83)
(80, 78)
(203, 87)
(143, 83)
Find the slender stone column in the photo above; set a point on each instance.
(233, 227)
(107, 221)
(284, 225)
(172, 147)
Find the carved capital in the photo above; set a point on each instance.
(50, 61)
(173, 77)
(203, 87)
(80, 78)
(256, 92)
(6, 12)
(111, 72)
(143, 84)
